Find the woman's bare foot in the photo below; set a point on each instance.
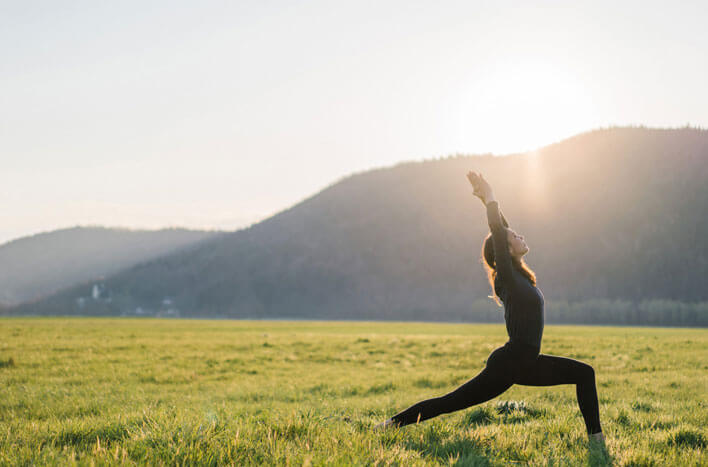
(384, 425)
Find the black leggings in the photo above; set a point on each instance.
(509, 365)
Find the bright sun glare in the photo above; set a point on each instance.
(521, 106)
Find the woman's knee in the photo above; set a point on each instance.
(587, 372)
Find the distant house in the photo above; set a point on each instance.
(167, 310)
(100, 292)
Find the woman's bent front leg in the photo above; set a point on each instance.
(483, 387)
(549, 370)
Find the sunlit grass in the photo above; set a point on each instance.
(230, 392)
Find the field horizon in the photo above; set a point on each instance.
(235, 392)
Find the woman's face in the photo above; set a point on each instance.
(517, 245)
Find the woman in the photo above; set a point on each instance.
(519, 360)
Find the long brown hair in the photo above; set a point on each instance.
(490, 266)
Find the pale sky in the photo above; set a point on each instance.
(208, 114)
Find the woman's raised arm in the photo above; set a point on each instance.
(502, 257)
(503, 219)
(497, 224)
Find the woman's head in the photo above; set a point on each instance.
(517, 245)
(517, 249)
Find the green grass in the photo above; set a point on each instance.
(109, 391)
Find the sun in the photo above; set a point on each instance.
(521, 106)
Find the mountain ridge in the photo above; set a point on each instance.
(404, 241)
(37, 265)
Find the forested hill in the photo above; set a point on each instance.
(38, 265)
(612, 214)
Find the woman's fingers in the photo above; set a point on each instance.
(478, 183)
(483, 181)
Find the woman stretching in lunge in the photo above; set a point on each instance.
(519, 360)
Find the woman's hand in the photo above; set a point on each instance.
(482, 189)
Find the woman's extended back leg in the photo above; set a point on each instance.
(549, 370)
(483, 387)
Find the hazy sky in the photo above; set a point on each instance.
(216, 114)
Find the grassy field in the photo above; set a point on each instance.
(125, 391)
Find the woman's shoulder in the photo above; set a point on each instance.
(501, 287)
(509, 282)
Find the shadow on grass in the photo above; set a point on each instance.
(599, 456)
(505, 412)
(688, 438)
(455, 451)
(9, 363)
(84, 436)
(478, 416)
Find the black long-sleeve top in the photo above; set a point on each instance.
(523, 302)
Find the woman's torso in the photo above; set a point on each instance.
(523, 309)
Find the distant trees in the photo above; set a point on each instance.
(655, 312)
